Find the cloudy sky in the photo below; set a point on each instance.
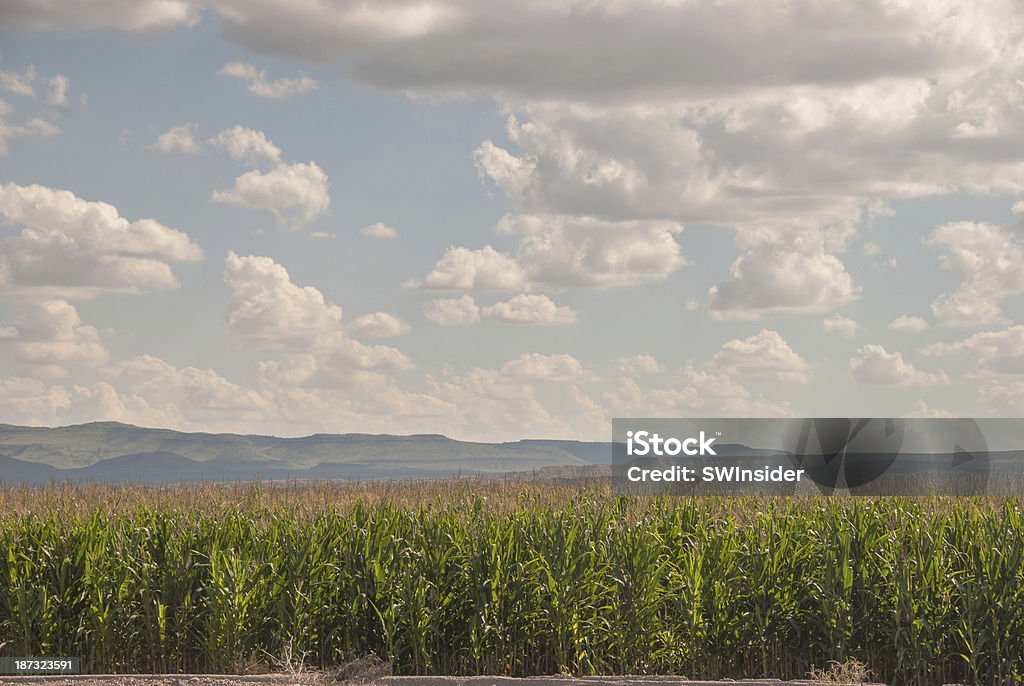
(499, 219)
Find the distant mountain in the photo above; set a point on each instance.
(589, 452)
(111, 451)
(18, 471)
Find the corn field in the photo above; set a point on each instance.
(515, 579)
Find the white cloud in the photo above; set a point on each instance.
(378, 325)
(452, 311)
(510, 173)
(178, 139)
(156, 393)
(73, 248)
(338, 352)
(19, 84)
(559, 250)
(1003, 399)
(33, 127)
(57, 94)
(485, 269)
(278, 89)
(874, 365)
(996, 352)
(563, 250)
(987, 259)
(1018, 207)
(139, 16)
(764, 356)
(247, 145)
(908, 323)
(697, 393)
(31, 402)
(529, 309)
(791, 276)
(51, 338)
(490, 398)
(637, 365)
(844, 326)
(268, 311)
(539, 367)
(379, 230)
(556, 49)
(922, 410)
(297, 193)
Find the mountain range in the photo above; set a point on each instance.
(115, 452)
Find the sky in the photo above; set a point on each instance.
(504, 220)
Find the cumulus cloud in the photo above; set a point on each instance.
(837, 323)
(19, 84)
(485, 269)
(921, 410)
(764, 356)
(379, 230)
(452, 311)
(996, 352)
(539, 367)
(138, 16)
(908, 323)
(790, 276)
(74, 248)
(556, 49)
(378, 325)
(487, 397)
(178, 139)
(529, 309)
(30, 401)
(561, 250)
(696, 392)
(51, 338)
(247, 145)
(259, 84)
(270, 312)
(24, 84)
(1003, 399)
(155, 393)
(33, 127)
(637, 365)
(987, 259)
(296, 194)
(57, 92)
(874, 365)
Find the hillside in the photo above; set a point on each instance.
(111, 451)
